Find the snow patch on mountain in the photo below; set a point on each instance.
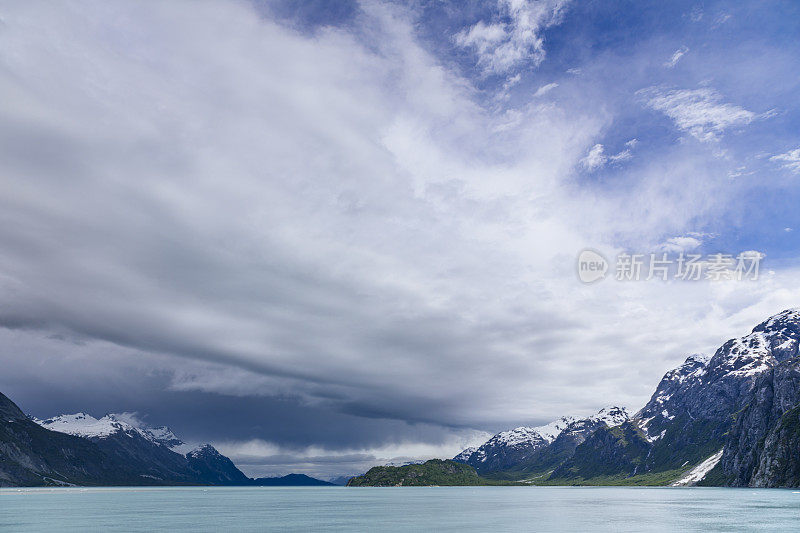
(516, 437)
(699, 472)
(778, 321)
(552, 430)
(524, 439)
(612, 415)
(86, 426)
(693, 367)
(464, 456)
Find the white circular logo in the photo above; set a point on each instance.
(591, 266)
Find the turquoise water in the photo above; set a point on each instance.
(460, 509)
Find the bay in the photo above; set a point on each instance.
(494, 509)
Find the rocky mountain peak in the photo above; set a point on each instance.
(785, 321)
(553, 429)
(612, 415)
(465, 454)
(164, 436)
(85, 425)
(204, 450)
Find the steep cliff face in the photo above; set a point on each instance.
(778, 464)
(761, 450)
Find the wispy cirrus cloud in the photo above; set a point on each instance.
(789, 160)
(515, 38)
(676, 56)
(544, 89)
(597, 156)
(700, 112)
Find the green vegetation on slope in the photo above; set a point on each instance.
(650, 479)
(433, 472)
(614, 452)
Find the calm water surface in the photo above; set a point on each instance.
(460, 509)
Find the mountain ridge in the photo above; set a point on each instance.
(731, 418)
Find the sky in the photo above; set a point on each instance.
(328, 235)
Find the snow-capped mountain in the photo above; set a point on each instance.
(116, 449)
(553, 429)
(729, 419)
(87, 426)
(611, 416)
(506, 449)
(163, 435)
(711, 389)
(155, 451)
(465, 454)
(522, 440)
(522, 445)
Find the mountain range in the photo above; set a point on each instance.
(730, 419)
(116, 449)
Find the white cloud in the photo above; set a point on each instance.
(789, 160)
(624, 155)
(544, 89)
(721, 19)
(700, 112)
(597, 158)
(502, 46)
(676, 56)
(681, 244)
